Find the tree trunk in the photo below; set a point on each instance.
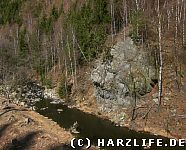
(160, 55)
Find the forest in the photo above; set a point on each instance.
(71, 36)
(100, 56)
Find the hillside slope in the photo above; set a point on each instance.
(60, 43)
(29, 130)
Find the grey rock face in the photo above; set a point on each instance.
(128, 73)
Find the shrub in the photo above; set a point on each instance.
(46, 82)
(62, 91)
(23, 45)
(138, 26)
(46, 23)
(10, 11)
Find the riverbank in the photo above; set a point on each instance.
(169, 121)
(161, 123)
(124, 122)
(158, 123)
(21, 128)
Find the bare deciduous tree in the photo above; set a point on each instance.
(160, 54)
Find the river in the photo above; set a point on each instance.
(93, 127)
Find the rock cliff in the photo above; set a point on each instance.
(127, 75)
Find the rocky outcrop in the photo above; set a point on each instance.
(27, 93)
(127, 74)
(50, 94)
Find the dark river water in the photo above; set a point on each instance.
(93, 127)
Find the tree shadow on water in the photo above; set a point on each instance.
(22, 143)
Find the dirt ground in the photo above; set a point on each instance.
(21, 128)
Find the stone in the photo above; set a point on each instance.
(59, 110)
(156, 100)
(44, 108)
(166, 98)
(50, 94)
(22, 103)
(114, 79)
(155, 95)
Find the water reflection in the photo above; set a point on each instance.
(93, 127)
